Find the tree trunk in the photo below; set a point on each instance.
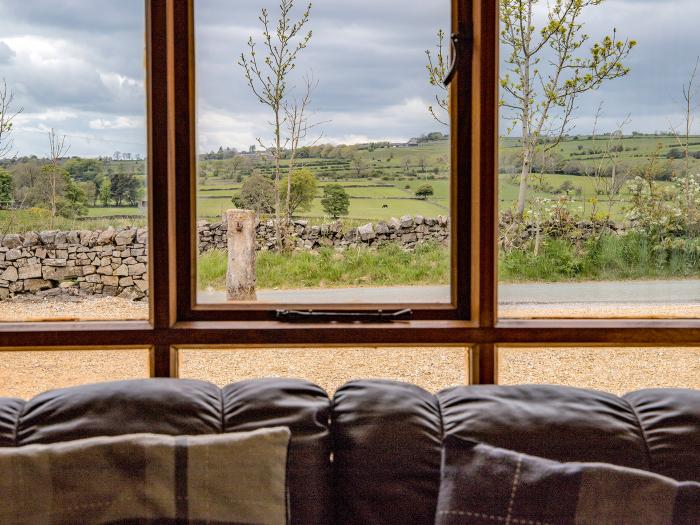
(524, 176)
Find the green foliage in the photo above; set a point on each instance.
(83, 169)
(303, 190)
(437, 67)
(606, 257)
(124, 187)
(424, 191)
(105, 192)
(662, 210)
(74, 202)
(257, 194)
(6, 190)
(335, 200)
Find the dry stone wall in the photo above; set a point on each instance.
(406, 231)
(115, 261)
(110, 262)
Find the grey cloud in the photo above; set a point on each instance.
(366, 56)
(6, 53)
(76, 62)
(79, 16)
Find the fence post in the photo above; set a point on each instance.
(240, 272)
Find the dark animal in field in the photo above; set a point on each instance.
(385, 205)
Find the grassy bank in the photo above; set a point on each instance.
(610, 257)
(386, 266)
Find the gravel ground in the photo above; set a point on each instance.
(72, 308)
(24, 374)
(602, 311)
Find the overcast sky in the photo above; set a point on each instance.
(77, 66)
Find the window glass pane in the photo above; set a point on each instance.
(599, 174)
(616, 370)
(72, 160)
(346, 167)
(430, 368)
(25, 374)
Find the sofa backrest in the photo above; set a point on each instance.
(172, 406)
(385, 437)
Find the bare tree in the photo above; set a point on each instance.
(55, 175)
(683, 139)
(7, 115)
(358, 164)
(298, 127)
(608, 174)
(267, 78)
(545, 73)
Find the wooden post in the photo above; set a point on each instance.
(240, 273)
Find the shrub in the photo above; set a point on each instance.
(335, 200)
(424, 191)
(303, 190)
(257, 194)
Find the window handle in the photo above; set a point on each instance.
(457, 43)
(309, 316)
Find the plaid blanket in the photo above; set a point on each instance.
(145, 478)
(486, 485)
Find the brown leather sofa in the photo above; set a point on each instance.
(371, 455)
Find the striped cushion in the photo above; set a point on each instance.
(486, 485)
(148, 478)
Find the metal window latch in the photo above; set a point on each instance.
(458, 43)
(309, 316)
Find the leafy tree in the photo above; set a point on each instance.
(90, 190)
(257, 194)
(74, 201)
(335, 200)
(6, 190)
(545, 72)
(83, 169)
(105, 192)
(303, 190)
(424, 191)
(124, 187)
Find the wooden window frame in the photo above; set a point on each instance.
(472, 319)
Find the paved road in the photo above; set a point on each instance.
(614, 292)
(607, 292)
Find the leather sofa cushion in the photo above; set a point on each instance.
(388, 437)
(189, 407)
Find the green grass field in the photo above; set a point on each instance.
(391, 176)
(636, 149)
(109, 212)
(39, 220)
(367, 199)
